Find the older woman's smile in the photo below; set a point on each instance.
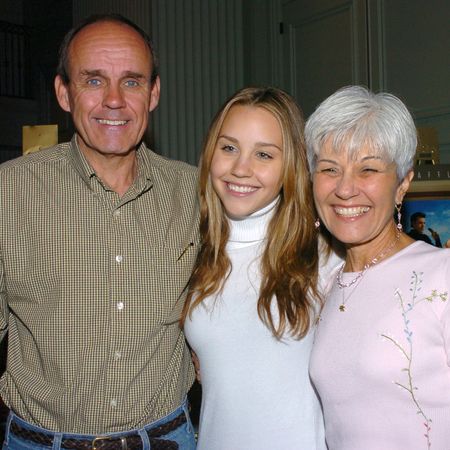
(353, 211)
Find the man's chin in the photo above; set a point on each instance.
(108, 150)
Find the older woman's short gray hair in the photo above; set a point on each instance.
(354, 117)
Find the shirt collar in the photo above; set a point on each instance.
(87, 173)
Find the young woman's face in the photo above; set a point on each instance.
(247, 165)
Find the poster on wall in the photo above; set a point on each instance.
(435, 221)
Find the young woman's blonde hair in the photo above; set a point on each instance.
(289, 263)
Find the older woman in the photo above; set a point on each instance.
(381, 357)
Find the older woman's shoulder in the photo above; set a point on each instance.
(330, 260)
(421, 248)
(426, 259)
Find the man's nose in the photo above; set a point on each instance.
(113, 97)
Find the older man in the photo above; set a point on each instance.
(98, 238)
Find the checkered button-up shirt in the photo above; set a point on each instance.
(91, 289)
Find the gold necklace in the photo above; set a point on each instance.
(361, 274)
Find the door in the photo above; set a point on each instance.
(325, 48)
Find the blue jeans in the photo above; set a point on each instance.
(183, 435)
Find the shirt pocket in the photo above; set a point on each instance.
(172, 271)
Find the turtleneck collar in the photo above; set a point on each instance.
(251, 229)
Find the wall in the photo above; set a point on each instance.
(11, 11)
(201, 60)
(400, 46)
(139, 11)
(210, 48)
(414, 60)
(11, 110)
(46, 24)
(263, 58)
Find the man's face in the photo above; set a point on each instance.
(419, 224)
(109, 93)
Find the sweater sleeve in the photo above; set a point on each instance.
(445, 318)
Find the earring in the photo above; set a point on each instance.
(317, 224)
(398, 207)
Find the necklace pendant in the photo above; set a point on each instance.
(342, 307)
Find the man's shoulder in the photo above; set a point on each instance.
(419, 236)
(36, 159)
(159, 162)
(413, 233)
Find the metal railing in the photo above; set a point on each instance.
(14, 60)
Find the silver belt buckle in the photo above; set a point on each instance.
(96, 440)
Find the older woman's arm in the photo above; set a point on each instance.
(445, 319)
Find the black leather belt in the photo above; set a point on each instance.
(131, 441)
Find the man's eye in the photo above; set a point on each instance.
(93, 82)
(131, 83)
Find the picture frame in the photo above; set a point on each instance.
(433, 199)
(36, 137)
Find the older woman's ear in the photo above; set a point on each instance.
(404, 186)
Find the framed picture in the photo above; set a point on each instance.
(432, 198)
(35, 137)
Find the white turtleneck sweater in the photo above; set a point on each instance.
(256, 390)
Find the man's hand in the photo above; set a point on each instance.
(436, 237)
(196, 362)
(434, 234)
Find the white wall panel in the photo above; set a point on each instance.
(201, 64)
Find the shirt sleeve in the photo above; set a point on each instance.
(4, 310)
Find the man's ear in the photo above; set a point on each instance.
(404, 186)
(154, 94)
(62, 93)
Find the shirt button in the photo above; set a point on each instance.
(116, 213)
(120, 305)
(117, 355)
(113, 403)
(119, 258)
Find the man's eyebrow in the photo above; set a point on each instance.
(101, 73)
(131, 74)
(91, 73)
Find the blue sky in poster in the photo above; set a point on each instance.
(437, 211)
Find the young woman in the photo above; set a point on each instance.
(254, 295)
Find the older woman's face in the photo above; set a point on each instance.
(355, 194)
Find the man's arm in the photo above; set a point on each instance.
(4, 310)
(436, 237)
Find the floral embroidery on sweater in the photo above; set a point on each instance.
(407, 350)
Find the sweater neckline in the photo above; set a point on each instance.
(252, 229)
